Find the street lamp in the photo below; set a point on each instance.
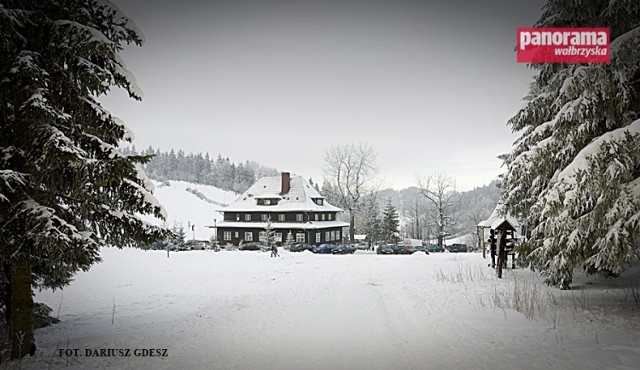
(215, 234)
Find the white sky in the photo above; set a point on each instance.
(430, 85)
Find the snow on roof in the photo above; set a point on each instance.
(498, 217)
(299, 198)
(268, 196)
(313, 225)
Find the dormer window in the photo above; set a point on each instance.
(267, 199)
(318, 201)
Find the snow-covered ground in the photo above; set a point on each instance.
(185, 208)
(245, 310)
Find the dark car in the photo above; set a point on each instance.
(384, 249)
(455, 248)
(421, 248)
(300, 247)
(397, 248)
(250, 247)
(435, 248)
(324, 248)
(343, 249)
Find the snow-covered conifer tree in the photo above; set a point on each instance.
(290, 240)
(574, 173)
(369, 221)
(269, 240)
(390, 221)
(65, 188)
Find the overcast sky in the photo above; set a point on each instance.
(430, 84)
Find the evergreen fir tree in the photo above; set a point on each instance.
(269, 240)
(290, 239)
(370, 222)
(178, 235)
(574, 173)
(65, 188)
(390, 222)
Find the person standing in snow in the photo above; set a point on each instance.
(274, 251)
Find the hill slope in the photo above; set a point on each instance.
(190, 204)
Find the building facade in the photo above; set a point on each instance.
(291, 205)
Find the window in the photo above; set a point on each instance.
(226, 235)
(248, 236)
(333, 235)
(267, 202)
(299, 217)
(338, 235)
(329, 216)
(319, 202)
(323, 217)
(265, 217)
(237, 217)
(281, 217)
(300, 238)
(236, 234)
(317, 217)
(247, 217)
(262, 236)
(318, 237)
(327, 236)
(278, 237)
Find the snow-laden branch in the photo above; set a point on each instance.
(580, 162)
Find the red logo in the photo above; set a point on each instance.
(563, 45)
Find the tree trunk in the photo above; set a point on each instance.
(21, 308)
(352, 225)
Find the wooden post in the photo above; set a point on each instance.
(482, 241)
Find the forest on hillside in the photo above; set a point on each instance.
(202, 169)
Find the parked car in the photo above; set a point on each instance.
(198, 244)
(384, 249)
(435, 248)
(422, 248)
(300, 247)
(455, 248)
(362, 246)
(397, 248)
(407, 250)
(250, 247)
(324, 248)
(343, 249)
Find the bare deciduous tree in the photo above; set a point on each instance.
(350, 168)
(440, 190)
(475, 216)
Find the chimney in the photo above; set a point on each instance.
(286, 183)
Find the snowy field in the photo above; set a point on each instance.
(245, 310)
